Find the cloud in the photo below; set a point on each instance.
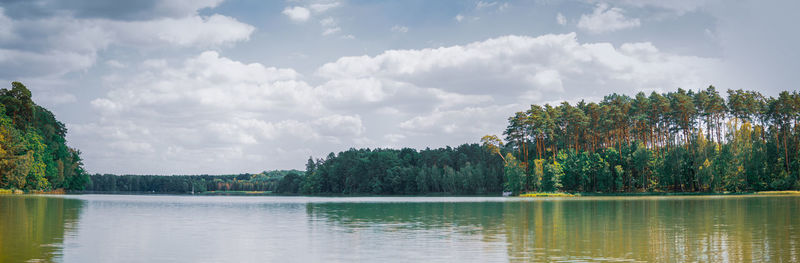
(464, 124)
(331, 30)
(517, 64)
(90, 9)
(297, 13)
(215, 114)
(340, 125)
(56, 45)
(560, 19)
(606, 19)
(511, 70)
(208, 107)
(329, 26)
(322, 7)
(679, 7)
(459, 17)
(399, 29)
(304, 13)
(202, 31)
(491, 5)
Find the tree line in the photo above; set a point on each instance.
(33, 151)
(267, 181)
(466, 169)
(683, 141)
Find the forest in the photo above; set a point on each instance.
(467, 169)
(682, 141)
(33, 151)
(267, 181)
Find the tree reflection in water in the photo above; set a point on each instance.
(33, 228)
(654, 229)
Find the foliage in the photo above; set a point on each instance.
(682, 141)
(467, 169)
(513, 172)
(267, 181)
(33, 151)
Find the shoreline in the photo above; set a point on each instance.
(526, 195)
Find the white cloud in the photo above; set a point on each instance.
(22, 63)
(606, 19)
(340, 125)
(680, 7)
(331, 30)
(399, 29)
(459, 17)
(507, 57)
(490, 5)
(322, 7)
(304, 13)
(189, 31)
(185, 7)
(466, 123)
(518, 69)
(329, 26)
(227, 112)
(207, 107)
(297, 13)
(363, 90)
(560, 19)
(52, 46)
(492, 74)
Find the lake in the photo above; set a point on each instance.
(165, 228)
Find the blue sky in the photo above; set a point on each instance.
(212, 86)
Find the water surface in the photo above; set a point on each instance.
(153, 228)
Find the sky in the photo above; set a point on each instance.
(213, 86)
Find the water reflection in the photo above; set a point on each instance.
(33, 228)
(411, 231)
(118, 228)
(716, 229)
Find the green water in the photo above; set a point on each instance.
(139, 228)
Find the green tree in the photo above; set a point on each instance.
(513, 172)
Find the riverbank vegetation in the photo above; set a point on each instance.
(683, 141)
(33, 153)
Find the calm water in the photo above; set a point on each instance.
(136, 228)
